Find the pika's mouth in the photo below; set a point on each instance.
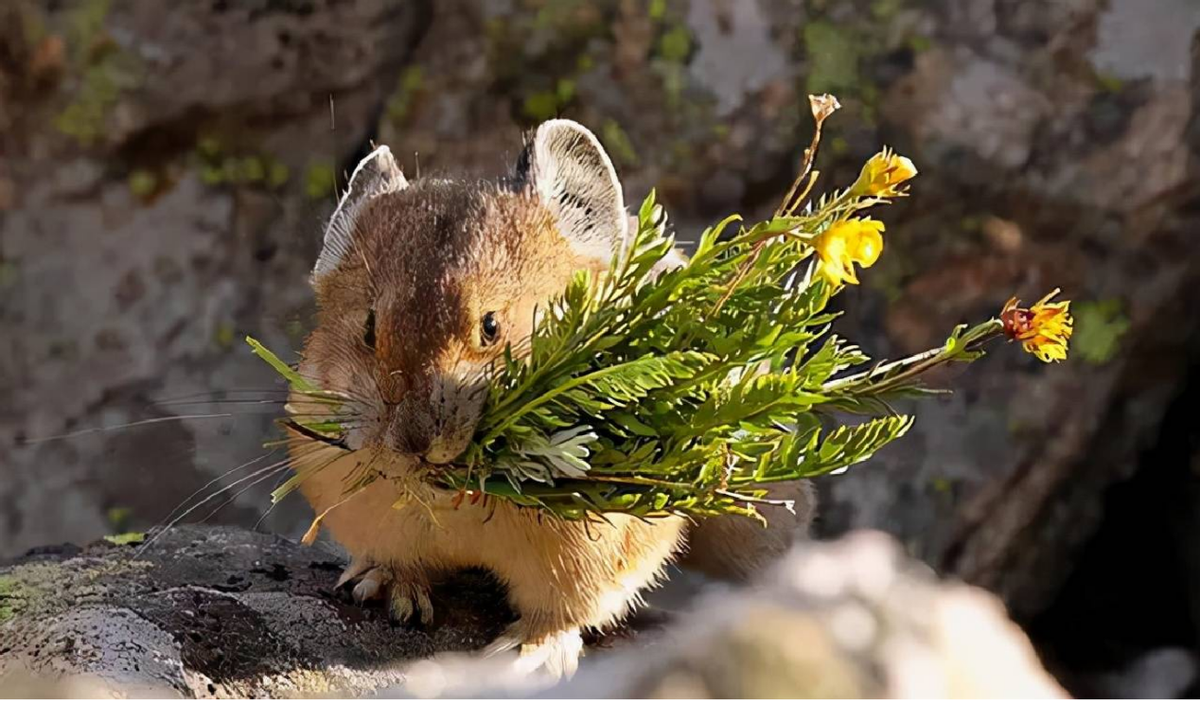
(444, 449)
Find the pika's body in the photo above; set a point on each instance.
(419, 288)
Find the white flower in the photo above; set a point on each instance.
(565, 452)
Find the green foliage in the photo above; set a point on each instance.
(100, 85)
(320, 181)
(689, 391)
(540, 105)
(119, 517)
(1099, 328)
(8, 273)
(9, 598)
(294, 378)
(217, 167)
(399, 105)
(675, 44)
(101, 72)
(656, 389)
(833, 54)
(126, 538)
(685, 391)
(143, 183)
(618, 144)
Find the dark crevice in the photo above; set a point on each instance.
(1135, 590)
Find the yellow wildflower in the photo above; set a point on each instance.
(883, 174)
(1042, 329)
(845, 243)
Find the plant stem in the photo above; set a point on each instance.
(914, 365)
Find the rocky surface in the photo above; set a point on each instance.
(163, 175)
(217, 612)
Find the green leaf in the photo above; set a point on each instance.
(289, 373)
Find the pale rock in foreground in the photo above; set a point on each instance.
(212, 612)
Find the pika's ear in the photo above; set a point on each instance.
(569, 171)
(375, 175)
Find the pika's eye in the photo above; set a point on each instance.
(489, 329)
(369, 330)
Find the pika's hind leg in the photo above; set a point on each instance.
(736, 548)
(557, 652)
(406, 590)
(572, 575)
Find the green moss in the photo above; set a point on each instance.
(254, 169)
(132, 538)
(45, 588)
(212, 175)
(320, 181)
(294, 330)
(399, 105)
(224, 336)
(143, 183)
(565, 90)
(119, 517)
(1109, 82)
(675, 45)
(85, 22)
(218, 167)
(10, 598)
(85, 118)
(103, 72)
(33, 25)
(209, 147)
(8, 273)
(277, 175)
(919, 44)
(657, 9)
(833, 56)
(617, 142)
(886, 10)
(1099, 328)
(541, 105)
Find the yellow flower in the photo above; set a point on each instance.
(883, 174)
(1042, 329)
(845, 243)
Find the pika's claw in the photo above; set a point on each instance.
(407, 594)
(555, 654)
(371, 586)
(356, 569)
(410, 599)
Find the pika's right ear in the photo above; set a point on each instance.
(567, 168)
(375, 175)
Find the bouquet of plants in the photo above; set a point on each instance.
(687, 391)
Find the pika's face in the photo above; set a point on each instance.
(421, 286)
(440, 277)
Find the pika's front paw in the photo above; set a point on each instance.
(406, 592)
(409, 598)
(556, 654)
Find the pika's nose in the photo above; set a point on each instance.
(413, 424)
(413, 435)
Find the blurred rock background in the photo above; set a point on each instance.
(165, 168)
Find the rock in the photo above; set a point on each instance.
(850, 619)
(215, 612)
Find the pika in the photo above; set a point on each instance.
(420, 286)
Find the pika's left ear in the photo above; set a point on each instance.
(569, 171)
(375, 176)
